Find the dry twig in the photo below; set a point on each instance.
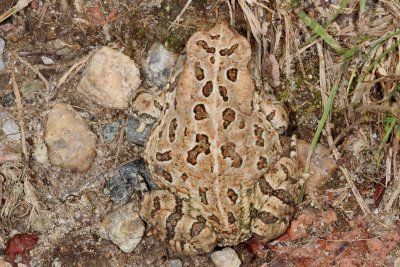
(365, 209)
(178, 18)
(35, 70)
(18, 7)
(20, 113)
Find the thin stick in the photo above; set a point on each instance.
(35, 70)
(365, 209)
(20, 5)
(20, 113)
(176, 21)
(44, 10)
(119, 142)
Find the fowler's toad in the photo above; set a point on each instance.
(215, 153)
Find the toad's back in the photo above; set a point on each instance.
(212, 143)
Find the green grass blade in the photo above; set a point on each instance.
(315, 26)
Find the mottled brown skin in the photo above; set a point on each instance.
(216, 154)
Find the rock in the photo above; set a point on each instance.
(151, 3)
(123, 227)
(158, 65)
(110, 131)
(137, 132)
(2, 46)
(175, 263)
(47, 60)
(129, 179)
(225, 258)
(62, 48)
(40, 153)
(42, 222)
(110, 78)
(30, 89)
(69, 140)
(11, 129)
(8, 100)
(397, 262)
(7, 154)
(4, 263)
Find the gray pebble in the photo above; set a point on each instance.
(31, 89)
(11, 129)
(123, 227)
(110, 131)
(226, 257)
(175, 263)
(8, 100)
(2, 46)
(158, 65)
(138, 138)
(47, 60)
(127, 181)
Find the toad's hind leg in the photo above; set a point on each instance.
(164, 212)
(276, 196)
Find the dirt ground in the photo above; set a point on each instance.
(352, 217)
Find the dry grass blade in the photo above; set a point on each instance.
(365, 209)
(35, 70)
(254, 23)
(178, 18)
(14, 188)
(19, 6)
(76, 67)
(20, 114)
(31, 198)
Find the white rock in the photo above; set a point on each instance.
(47, 60)
(4, 263)
(397, 262)
(110, 78)
(158, 65)
(11, 129)
(225, 258)
(71, 144)
(123, 227)
(175, 263)
(40, 153)
(151, 3)
(2, 46)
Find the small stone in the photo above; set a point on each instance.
(137, 132)
(47, 60)
(158, 65)
(151, 3)
(40, 153)
(30, 89)
(71, 144)
(8, 100)
(397, 262)
(128, 180)
(4, 263)
(110, 78)
(225, 258)
(42, 222)
(110, 131)
(62, 48)
(2, 46)
(123, 227)
(175, 263)
(11, 129)
(56, 263)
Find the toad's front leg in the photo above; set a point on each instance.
(165, 213)
(274, 112)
